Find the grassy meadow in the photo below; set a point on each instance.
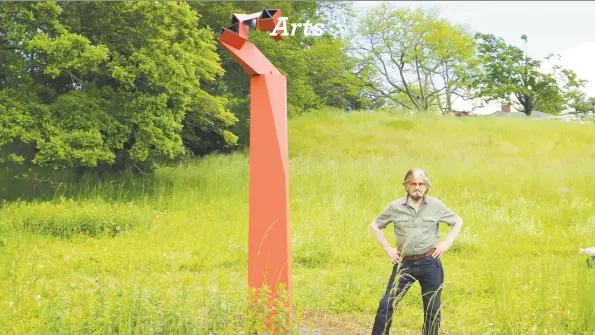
(167, 254)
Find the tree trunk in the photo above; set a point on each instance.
(447, 87)
(528, 105)
(439, 101)
(448, 99)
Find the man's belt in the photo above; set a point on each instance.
(420, 256)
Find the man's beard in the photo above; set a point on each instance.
(416, 195)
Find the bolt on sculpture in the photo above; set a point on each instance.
(269, 256)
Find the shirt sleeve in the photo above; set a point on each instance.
(385, 217)
(447, 215)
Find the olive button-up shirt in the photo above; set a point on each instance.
(417, 231)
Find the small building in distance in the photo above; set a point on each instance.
(507, 112)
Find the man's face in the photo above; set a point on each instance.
(417, 188)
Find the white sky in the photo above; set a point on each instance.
(562, 27)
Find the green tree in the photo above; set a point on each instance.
(579, 104)
(574, 98)
(454, 49)
(509, 74)
(419, 60)
(105, 83)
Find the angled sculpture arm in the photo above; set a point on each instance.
(234, 39)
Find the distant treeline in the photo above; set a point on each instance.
(112, 85)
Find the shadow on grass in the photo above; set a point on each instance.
(31, 184)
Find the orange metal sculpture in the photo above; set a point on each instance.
(269, 256)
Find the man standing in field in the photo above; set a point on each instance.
(416, 217)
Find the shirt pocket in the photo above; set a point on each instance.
(429, 223)
(403, 225)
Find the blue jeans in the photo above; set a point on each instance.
(430, 274)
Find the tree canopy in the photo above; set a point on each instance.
(103, 84)
(509, 74)
(419, 60)
(110, 85)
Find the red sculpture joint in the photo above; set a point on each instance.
(269, 260)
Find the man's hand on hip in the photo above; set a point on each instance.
(393, 254)
(441, 248)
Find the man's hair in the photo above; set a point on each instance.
(417, 173)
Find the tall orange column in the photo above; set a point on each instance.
(269, 253)
(269, 260)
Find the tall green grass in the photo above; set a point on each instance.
(167, 254)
